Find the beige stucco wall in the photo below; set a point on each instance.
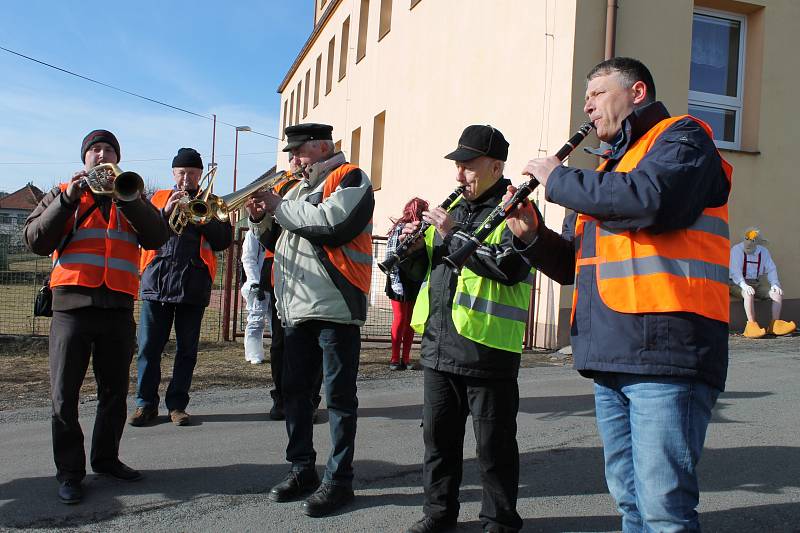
(520, 65)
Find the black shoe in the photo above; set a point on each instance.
(395, 366)
(402, 366)
(429, 524)
(70, 492)
(277, 412)
(119, 470)
(295, 486)
(327, 499)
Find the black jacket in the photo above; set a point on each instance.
(679, 177)
(442, 347)
(177, 274)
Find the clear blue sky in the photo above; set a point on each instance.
(207, 57)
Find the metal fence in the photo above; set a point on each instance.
(22, 274)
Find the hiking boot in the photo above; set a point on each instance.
(143, 416)
(296, 485)
(327, 499)
(180, 417)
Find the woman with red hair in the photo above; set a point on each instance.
(402, 290)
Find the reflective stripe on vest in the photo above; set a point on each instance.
(99, 252)
(484, 311)
(353, 259)
(683, 270)
(159, 200)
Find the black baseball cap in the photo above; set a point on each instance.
(478, 140)
(300, 133)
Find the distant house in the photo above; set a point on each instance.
(14, 209)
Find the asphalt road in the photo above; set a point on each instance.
(214, 476)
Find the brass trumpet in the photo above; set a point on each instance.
(205, 206)
(108, 179)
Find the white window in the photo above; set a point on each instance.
(716, 78)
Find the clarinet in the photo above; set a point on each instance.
(402, 249)
(457, 259)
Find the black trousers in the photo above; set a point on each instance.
(108, 337)
(493, 404)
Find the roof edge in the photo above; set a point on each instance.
(310, 41)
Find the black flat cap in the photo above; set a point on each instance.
(301, 133)
(477, 140)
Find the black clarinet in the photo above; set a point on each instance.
(402, 249)
(457, 259)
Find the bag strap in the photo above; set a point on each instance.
(80, 221)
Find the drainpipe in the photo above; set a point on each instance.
(611, 28)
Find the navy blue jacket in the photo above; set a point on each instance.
(177, 274)
(679, 177)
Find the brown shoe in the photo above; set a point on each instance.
(143, 416)
(179, 417)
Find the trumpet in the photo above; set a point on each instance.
(402, 249)
(205, 206)
(108, 179)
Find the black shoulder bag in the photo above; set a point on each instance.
(43, 303)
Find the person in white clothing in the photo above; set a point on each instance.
(753, 274)
(256, 298)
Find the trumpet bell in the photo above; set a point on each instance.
(108, 179)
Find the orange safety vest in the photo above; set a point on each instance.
(353, 259)
(159, 200)
(99, 253)
(683, 270)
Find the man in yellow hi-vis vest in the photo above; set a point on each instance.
(472, 328)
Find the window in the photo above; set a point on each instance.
(285, 114)
(297, 109)
(413, 3)
(343, 48)
(376, 172)
(317, 72)
(363, 23)
(385, 23)
(337, 146)
(355, 146)
(305, 94)
(329, 77)
(21, 219)
(716, 78)
(291, 108)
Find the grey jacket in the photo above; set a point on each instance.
(307, 286)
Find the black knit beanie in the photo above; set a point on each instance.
(188, 157)
(99, 136)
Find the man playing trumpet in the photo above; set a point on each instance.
(95, 245)
(323, 266)
(176, 288)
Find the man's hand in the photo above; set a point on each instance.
(541, 168)
(775, 291)
(523, 221)
(75, 187)
(408, 230)
(173, 200)
(747, 290)
(261, 203)
(439, 219)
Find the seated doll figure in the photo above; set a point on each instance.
(753, 274)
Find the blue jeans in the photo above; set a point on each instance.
(155, 323)
(653, 429)
(336, 348)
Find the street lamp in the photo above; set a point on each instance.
(236, 151)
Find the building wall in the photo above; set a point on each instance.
(520, 66)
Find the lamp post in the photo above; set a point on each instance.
(236, 151)
(228, 281)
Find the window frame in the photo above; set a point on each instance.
(717, 101)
